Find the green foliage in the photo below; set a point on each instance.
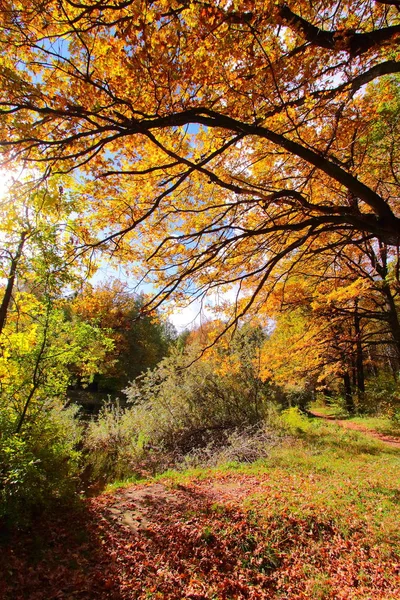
(294, 421)
(39, 436)
(382, 396)
(184, 404)
(147, 340)
(381, 401)
(41, 352)
(42, 215)
(384, 130)
(40, 465)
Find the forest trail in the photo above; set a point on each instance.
(389, 440)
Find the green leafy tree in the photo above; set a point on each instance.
(40, 350)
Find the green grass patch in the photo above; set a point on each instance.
(333, 410)
(381, 424)
(123, 483)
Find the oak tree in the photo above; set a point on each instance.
(212, 139)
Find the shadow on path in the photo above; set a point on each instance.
(192, 542)
(139, 542)
(62, 556)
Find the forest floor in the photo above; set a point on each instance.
(348, 423)
(318, 519)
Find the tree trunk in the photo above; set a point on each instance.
(393, 319)
(348, 396)
(359, 355)
(372, 369)
(36, 373)
(11, 281)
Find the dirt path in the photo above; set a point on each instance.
(389, 440)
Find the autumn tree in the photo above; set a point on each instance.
(333, 322)
(378, 265)
(218, 138)
(141, 340)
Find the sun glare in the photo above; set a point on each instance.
(6, 178)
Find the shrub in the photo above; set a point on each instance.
(184, 396)
(239, 445)
(114, 443)
(184, 404)
(382, 396)
(40, 465)
(294, 421)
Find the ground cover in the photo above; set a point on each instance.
(317, 519)
(382, 427)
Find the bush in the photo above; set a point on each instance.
(394, 415)
(177, 417)
(238, 446)
(382, 396)
(116, 447)
(114, 443)
(40, 465)
(181, 400)
(183, 405)
(294, 421)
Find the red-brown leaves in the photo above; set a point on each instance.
(197, 541)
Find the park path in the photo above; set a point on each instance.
(389, 440)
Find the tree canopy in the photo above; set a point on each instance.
(217, 143)
(140, 340)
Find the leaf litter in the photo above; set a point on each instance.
(226, 536)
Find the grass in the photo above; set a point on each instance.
(333, 410)
(381, 424)
(327, 501)
(124, 483)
